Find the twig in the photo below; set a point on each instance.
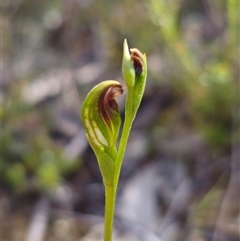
(38, 225)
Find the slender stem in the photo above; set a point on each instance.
(122, 147)
(110, 196)
(110, 191)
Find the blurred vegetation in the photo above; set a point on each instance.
(206, 61)
(31, 159)
(192, 48)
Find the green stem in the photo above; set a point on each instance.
(110, 196)
(122, 147)
(110, 191)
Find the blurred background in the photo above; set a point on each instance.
(180, 176)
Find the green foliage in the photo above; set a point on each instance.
(48, 175)
(207, 82)
(28, 153)
(16, 176)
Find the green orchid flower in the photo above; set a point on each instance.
(101, 119)
(134, 71)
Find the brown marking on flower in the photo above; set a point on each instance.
(137, 60)
(107, 104)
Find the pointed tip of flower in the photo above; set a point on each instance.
(127, 66)
(126, 53)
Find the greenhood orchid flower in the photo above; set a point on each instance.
(134, 71)
(101, 119)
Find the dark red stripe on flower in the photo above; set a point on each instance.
(107, 104)
(137, 60)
